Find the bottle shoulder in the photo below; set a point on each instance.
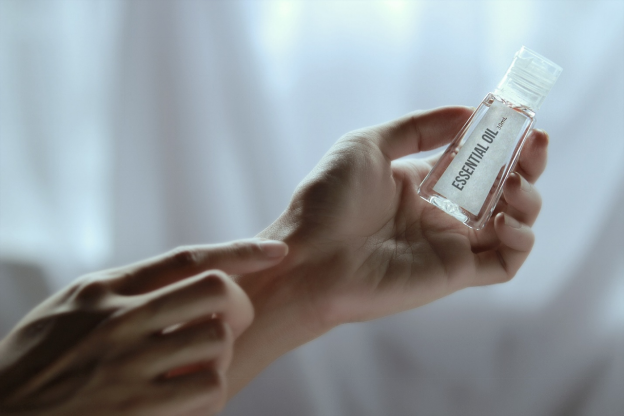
(489, 100)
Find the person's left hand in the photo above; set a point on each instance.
(365, 245)
(373, 247)
(153, 338)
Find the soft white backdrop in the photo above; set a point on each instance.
(130, 127)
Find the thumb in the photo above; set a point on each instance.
(236, 257)
(421, 130)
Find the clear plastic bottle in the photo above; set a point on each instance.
(467, 181)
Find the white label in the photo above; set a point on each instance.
(470, 175)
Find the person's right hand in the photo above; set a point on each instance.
(153, 338)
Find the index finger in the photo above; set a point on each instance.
(421, 130)
(238, 257)
(193, 299)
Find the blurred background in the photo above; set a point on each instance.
(130, 127)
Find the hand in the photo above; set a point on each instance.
(364, 245)
(154, 338)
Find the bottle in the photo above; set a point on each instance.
(467, 181)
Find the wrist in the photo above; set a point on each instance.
(282, 296)
(287, 314)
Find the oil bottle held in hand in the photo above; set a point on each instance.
(468, 180)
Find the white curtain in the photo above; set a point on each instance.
(130, 127)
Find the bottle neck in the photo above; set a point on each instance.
(520, 96)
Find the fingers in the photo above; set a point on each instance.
(181, 368)
(501, 264)
(238, 257)
(532, 161)
(512, 229)
(208, 343)
(420, 131)
(183, 330)
(523, 200)
(192, 299)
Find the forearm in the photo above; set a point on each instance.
(276, 329)
(284, 319)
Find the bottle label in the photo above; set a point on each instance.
(471, 174)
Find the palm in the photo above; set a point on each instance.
(402, 252)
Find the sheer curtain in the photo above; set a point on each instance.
(130, 127)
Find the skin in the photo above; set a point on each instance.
(361, 245)
(153, 338)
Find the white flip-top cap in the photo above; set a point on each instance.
(529, 79)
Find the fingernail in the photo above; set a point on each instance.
(273, 248)
(511, 222)
(546, 135)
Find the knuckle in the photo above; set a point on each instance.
(217, 330)
(127, 278)
(183, 257)
(212, 283)
(124, 275)
(91, 290)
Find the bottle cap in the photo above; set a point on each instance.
(528, 80)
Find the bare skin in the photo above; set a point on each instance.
(153, 338)
(363, 245)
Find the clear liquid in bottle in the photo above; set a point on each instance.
(468, 180)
